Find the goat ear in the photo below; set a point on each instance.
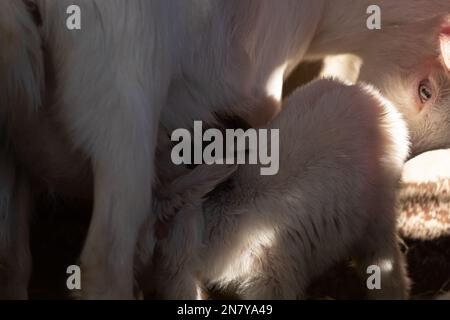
(444, 39)
(189, 188)
(203, 179)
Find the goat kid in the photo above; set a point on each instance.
(136, 63)
(269, 236)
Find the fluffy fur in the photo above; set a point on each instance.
(138, 62)
(398, 74)
(342, 151)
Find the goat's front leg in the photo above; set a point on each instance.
(177, 258)
(122, 157)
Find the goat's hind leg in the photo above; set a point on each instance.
(275, 273)
(380, 256)
(15, 257)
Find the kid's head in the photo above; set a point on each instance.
(410, 65)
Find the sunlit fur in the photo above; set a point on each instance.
(342, 151)
(413, 56)
(138, 62)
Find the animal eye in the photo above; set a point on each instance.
(425, 91)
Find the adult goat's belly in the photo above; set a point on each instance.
(187, 103)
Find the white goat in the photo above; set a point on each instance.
(342, 151)
(137, 62)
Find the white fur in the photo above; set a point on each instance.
(345, 67)
(398, 74)
(344, 148)
(136, 62)
(21, 78)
